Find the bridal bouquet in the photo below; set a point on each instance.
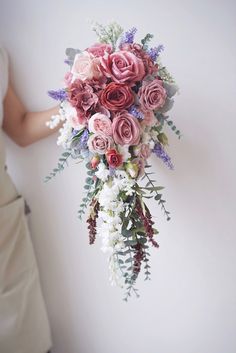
(114, 102)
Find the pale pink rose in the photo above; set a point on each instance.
(99, 49)
(100, 123)
(152, 95)
(123, 67)
(99, 143)
(86, 67)
(149, 119)
(126, 129)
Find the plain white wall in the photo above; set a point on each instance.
(190, 304)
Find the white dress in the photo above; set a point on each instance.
(24, 326)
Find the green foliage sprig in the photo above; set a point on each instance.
(108, 34)
(145, 41)
(154, 189)
(91, 188)
(63, 160)
(171, 124)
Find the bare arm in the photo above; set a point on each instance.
(24, 127)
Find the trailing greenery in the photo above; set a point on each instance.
(60, 165)
(154, 189)
(91, 188)
(171, 124)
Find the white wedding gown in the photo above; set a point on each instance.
(24, 326)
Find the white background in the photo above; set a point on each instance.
(190, 304)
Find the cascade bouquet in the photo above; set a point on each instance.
(113, 107)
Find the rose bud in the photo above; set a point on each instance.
(162, 138)
(95, 161)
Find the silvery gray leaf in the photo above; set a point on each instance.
(167, 106)
(71, 52)
(171, 89)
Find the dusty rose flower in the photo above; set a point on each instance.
(123, 67)
(126, 129)
(86, 67)
(81, 96)
(100, 123)
(97, 84)
(99, 49)
(99, 143)
(114, 159)
(152, 95)
(137, 50)
(116, 96)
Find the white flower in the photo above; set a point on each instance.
(102, 172)
(65, 134)
(54, 121)
(110, 225)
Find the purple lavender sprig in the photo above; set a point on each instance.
(128, 36)
(83, 140)
(161, 153)
(155, 52)
(59, 95)
(68, 62)
(135, 112)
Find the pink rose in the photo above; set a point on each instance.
(136, 49)
(116, 96)
(126, 129)
(100, 123)
(114, 159)
(99, 143)
(82, 97)
(86, 67)
(152, 95)
(123, 67)
(99, 49)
